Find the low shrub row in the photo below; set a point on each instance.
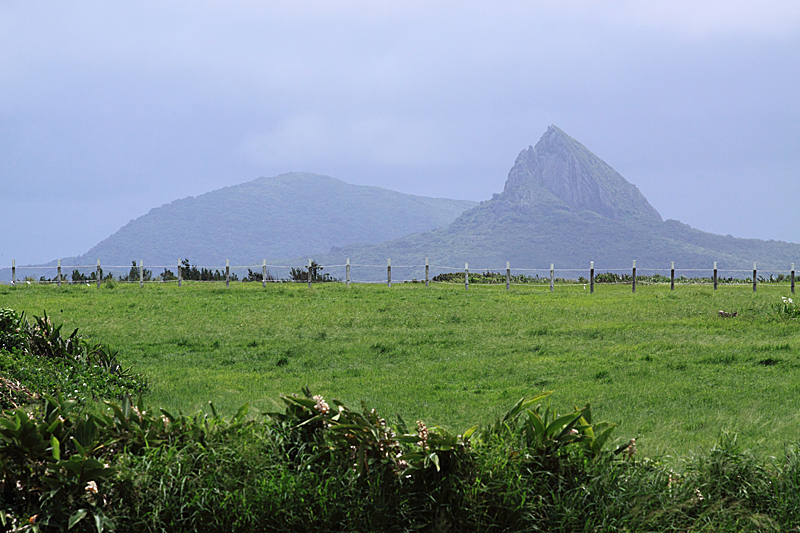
(321, 467)
(36, 358)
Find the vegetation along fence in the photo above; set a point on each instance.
(363, 273)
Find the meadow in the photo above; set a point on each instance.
(661, 364)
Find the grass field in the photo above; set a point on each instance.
(661, 364)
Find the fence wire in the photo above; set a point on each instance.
(366, 273)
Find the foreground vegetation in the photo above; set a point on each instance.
(321, 467)
(314, 466)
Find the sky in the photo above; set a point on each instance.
(109, 109)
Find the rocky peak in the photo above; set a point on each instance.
(561, 170)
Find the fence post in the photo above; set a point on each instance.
(591, 277)
(141, 273)
(755, 271)
(309, 273)
(427, 272)
(715, 275)
(99, 273)
(59, 273)
(792, 278)
(634, 276)
(347, 272)
(13, 271)
(552, 277)
(180, 273)
(389, 273)
(264, 274)
(466, 276)
(227, 272)
(672, 276)
(508, 275)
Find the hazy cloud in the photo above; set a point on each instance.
(128, 106)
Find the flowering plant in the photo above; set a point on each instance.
(787, 308)
(366, 440)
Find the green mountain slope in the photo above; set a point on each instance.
(563, 205)
(269, 218)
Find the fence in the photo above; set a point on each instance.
(446, 274)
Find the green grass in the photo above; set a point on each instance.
(661, 364)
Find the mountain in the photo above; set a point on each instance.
(270, 218)
(562, 204)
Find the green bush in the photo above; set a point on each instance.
(323, 467)
(38, 359)
(12, 334)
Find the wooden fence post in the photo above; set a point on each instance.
(755, 272)
(591, 277)
(347, 272)
(508, 275)
(466, 276)
(13, 271)
(552, 277)
(180, 273)
(227, 272)
(672, 276)
(389, 273)
(792, 278)
(715, 275)
(141, 273)
(264, 274)
(309, 273)
(634, 276)
(59, 273)
(427, 272)
(99, 273)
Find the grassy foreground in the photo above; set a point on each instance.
(663, 365)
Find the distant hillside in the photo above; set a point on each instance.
(269, 218)
(562, 204)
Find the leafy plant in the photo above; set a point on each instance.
(314, 270)
(541, 433)
(45, 361)
(787, 308)
(12, 334)
(367, 441)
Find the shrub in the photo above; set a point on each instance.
(12, 335)
(39, 360)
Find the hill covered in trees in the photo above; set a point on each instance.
(562, 204)
(271, 218)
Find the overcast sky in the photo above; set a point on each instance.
(108, 109)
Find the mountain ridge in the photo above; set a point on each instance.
(271, 217)
(563, 205)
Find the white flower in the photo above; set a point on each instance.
(321, 405)
(422, 433)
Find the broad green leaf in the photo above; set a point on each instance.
(76, 517)
(55, 446)
(601, 439)
(538, 423)
(587, 413)
(468, 433)
(558, 425)
(241, 413)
